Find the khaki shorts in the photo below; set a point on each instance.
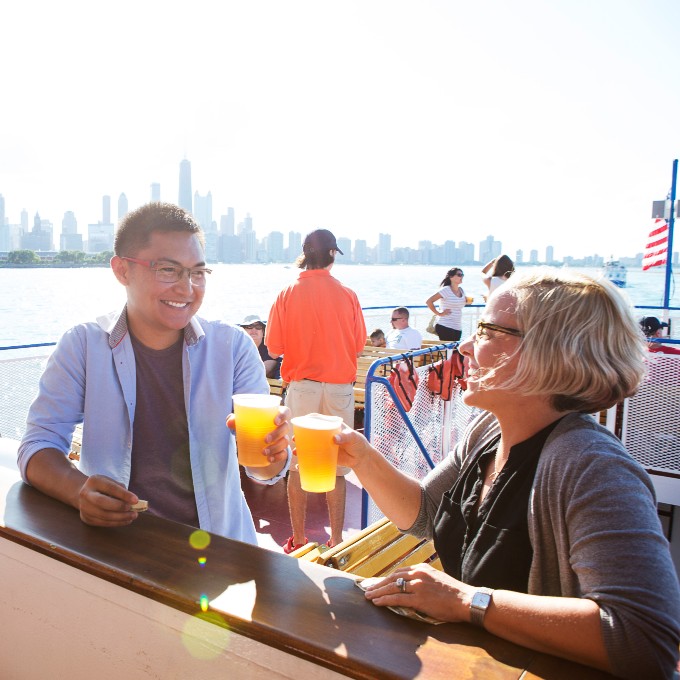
(331, 399)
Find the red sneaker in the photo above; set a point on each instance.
(288, 546)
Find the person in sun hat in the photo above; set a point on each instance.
(318, 326)
(255, 327)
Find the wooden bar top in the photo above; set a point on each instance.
(306, 610)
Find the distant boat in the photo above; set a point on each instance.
(615, 272)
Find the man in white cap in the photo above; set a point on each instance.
(255, 327)
(318, 326)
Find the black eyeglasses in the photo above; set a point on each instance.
(484, 326)
(171, 273)
(397, 318)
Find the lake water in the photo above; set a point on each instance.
(38, 305)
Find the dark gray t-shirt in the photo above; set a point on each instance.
(161, 468)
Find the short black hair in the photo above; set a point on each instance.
(134, 232)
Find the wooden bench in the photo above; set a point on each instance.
(376, 551)
(76, 443)
(364, 361)
(276, 386)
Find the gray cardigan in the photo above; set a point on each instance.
(595, 533)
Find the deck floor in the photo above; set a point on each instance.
(269, 506)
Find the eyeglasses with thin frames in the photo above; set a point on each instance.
(484, 326)
(171, 273)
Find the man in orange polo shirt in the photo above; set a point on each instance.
(318, 326)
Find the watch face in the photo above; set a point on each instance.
(481, 600)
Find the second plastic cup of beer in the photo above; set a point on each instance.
(316, 451)
(254, 415)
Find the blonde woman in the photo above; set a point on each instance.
(546, 527)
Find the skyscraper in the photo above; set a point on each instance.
(70, 239)
(122, 206)
(40, 238)
(360, 251)
(488, 249)
(384, 249)
(294, 245)
(274, 243)
(227, 223)
(203, 210)
(4, 228)
(155, 192)
(185, 186)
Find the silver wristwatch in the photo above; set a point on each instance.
(480, 603)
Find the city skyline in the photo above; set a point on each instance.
(230, 241)
(541, 123)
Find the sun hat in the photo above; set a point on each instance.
(250, 320)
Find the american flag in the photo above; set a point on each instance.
(657, 245)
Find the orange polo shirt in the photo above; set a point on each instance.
(318, 326)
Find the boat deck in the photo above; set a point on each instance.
(269, 506)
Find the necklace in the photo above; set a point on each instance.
(492, 475)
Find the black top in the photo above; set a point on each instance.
(490, 546)
(264, 355)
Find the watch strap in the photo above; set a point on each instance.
(479, 605)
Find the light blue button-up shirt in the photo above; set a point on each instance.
(91, 378)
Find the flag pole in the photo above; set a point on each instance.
(669, 252)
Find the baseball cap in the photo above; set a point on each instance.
(650, 325)
(250, 320)
(319, 240)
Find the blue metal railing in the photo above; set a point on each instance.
(372, 379)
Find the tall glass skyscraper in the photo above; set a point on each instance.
(185, 194)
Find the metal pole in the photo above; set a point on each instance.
(669, 252)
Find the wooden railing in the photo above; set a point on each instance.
(136, 601)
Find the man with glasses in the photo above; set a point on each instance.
(402, 336)
(152, 385)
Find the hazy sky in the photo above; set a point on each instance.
(538, 121)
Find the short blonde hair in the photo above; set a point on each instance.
(581, 345)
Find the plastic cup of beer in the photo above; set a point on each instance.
(316, 451)
(254, 415)
(469, 300)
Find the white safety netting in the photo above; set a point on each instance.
(651, 419)
(19, 379)
(438, 425)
